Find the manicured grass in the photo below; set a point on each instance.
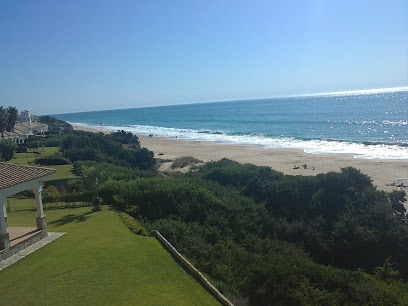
(63, 171)
(27, 158)
(98, 261)
(26, 161)
(20, 204)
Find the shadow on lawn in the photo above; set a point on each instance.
(71, 218)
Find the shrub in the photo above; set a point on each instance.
(126, 138)
(78, 146)
(134, 225)
(21, 148)
(7, 150)
(54, 159)
(55, 124)
(51, 194)
(55, 141)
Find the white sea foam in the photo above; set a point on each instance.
(358, 150)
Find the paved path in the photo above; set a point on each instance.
(27, 251)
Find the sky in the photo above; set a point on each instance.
(83, 55)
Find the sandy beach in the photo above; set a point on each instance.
(382, 172)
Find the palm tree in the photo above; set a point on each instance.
(3, 121)
(12, 118)
(94, 177)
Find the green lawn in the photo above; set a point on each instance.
(26, 158)
(19, 204)
(63, 171)
(98, 261)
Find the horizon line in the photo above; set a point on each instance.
(347, 92)
(360, 91)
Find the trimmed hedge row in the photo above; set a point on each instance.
(51, 161)
(134, 225)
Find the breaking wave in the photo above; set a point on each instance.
(366, 150)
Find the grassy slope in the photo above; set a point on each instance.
(63, 171)
(98, 261)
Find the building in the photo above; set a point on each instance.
(25, 116)
(13, 179)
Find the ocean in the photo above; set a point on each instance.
(370, 124)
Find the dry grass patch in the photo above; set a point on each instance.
(185, 161)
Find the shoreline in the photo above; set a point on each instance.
(363, 150)
(381, 171)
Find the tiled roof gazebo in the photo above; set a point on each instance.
(16, 178)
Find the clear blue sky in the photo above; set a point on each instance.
(68, 56)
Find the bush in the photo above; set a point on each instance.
(134, 225)
(115, 172)
(78, 145)
(7, 150)
(33, 144)
(126, 138)
(54, 159)
(55, 141)
(21, 148)
(50, 194)
(44, 161)
(55, 125)
(83, 196)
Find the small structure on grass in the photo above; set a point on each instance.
(14, 179)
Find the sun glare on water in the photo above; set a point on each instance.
(363, 91)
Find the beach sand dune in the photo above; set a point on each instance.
(382, 172)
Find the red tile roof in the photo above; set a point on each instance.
(11, 174)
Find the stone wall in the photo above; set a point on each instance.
(189, 267)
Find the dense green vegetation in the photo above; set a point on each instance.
(262, 237)
(78, 145)
(98, 261)
(7, 149)
(55, 126)
(8, 118)
(278, 239)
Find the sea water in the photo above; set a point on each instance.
(364, 124)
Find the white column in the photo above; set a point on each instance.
(41, 224)
(5, 212)
(4, 236)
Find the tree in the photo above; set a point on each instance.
(387, 272)
(94, 177)
(33, 145)
(7, 150)
(12, 114)
(126, 138)
(3, 120)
